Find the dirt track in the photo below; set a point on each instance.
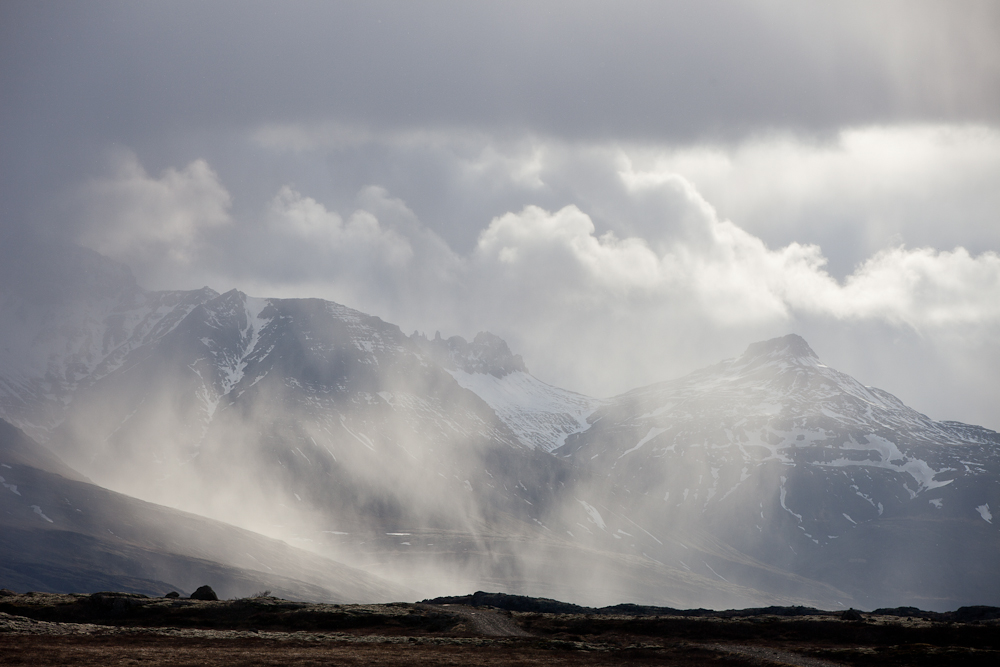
(767, 655)
(487, 622)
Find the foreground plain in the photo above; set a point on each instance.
(128, 629)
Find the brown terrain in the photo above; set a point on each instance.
(130, 629)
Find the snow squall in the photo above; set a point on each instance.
(323, 425)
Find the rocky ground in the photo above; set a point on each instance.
(127, 629)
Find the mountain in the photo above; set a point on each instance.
(298, 417)
(444, 464)
(63, 534)
(320, 424)
(800, 466)
(319, 405)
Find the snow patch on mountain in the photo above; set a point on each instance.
(251, 334)
(984, 511)
(653, 432)
(783, 494)
(540, 415)
(10, 487)
(593, 515)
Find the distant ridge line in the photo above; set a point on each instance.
(524, 603)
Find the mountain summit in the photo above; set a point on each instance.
(791, 346)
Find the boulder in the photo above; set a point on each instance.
(852, 614)
(204, 593)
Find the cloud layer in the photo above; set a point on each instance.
(625, 191)
(639, 281)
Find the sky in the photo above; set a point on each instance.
(624, 191)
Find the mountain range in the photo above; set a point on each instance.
(433, 465)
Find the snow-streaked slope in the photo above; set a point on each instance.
(539, 414)
(785, 378)
(778, 403)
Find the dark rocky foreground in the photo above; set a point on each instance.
(481, 629)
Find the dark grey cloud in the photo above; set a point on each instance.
(79, 76)
(641, 69)
(651, 70)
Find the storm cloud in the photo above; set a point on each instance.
(623, 191)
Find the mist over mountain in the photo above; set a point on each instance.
(443, 464)
(63, 533)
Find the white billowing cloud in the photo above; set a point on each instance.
(377, 258)
(853, 193)
(639, 279)
(536, 246)
(731, 276)
(722, 271)
(327, 235)
(862, 191)
(575, 294)
(923, 288)
(146, 221)
(535, 263)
